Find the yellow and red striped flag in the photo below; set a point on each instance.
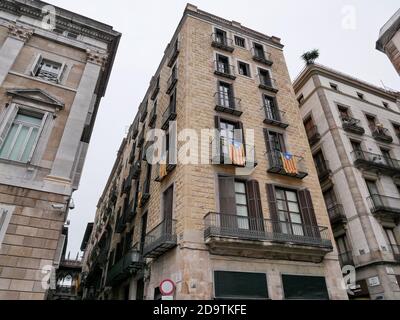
(289, 163)
(236, 153)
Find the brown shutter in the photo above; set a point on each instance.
(310, 224)
(273, 209)
(227, 202)
(217, 152)
(267, 142)
(168, 209)
(254, 205)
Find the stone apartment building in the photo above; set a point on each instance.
(229, 228)
(51, 84)
(354, 131)
(389, 40)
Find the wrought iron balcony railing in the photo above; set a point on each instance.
(136, 169)
(384, 205)
(261, 56)
(156, 89)
(382, 134)
(293, 167)
(161, 239)
(323, 170)
(174, 53)
(235, 153)
(153, 117)
(224, 70)
(226, 103)
(346, 258)
(222, 42)
(275, 117)
(130, 263)
(141, 139)
(352, 125)
(336, 214)
(172, 80)
(376, 162)
(135, 129)
(168, 115)
(268, 84)
(248, 228)
(313, 135)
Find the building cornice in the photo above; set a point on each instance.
(388, 31)
(317, 69)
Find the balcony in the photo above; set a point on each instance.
(263, 238)
(223, 43)
(174, 53)
(376, 163)
(233, 153)
(396, 252)
(172, 81)
(313, 135)
(336, 215)
(224, 70)
(143, 111)
(268, 84)
(160, 240)
(153, 116)
(261, 56)
(323, 170)
(225, 103)
(136, 169)
(129, 264)
(382, 134)
(169, 115)
(156, 89)
(275, 117)
(64, 292)
(295, 167)
(350, 124)
(120, 224)
(164, 169)
(141, 139)
(135, 129)
(346, 259)
(385, 207)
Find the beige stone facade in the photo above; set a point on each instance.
(127, 258)
(353, 129)
(51, 83)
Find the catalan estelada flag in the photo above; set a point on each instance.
(163, 170)
(289, 163)
(139, 199)
(236, 153)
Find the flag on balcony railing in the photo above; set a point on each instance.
(163, 170)
(139, 199)
(289, 163)
(236, 153)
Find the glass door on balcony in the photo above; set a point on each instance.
(220, 36)
(265, 78)
(330, 200)
(271, 110)
(241, 205)
(225, 95)
(320, 163)
(168, 209)
(387, 157)
(374, 193)
(222, 64)
(275, 146)
(391, 240)
(289, 212)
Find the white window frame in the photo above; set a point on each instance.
(10, 116)
(6, 212)
(36, 64)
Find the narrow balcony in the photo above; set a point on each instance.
(136, 169)
(164, 169)
(376, 162)
(143, 111)
(156, 89)
(350, 124)
(263, 238)
(396, 252)
(169, 115)
(261, 56)
(160, 240)
(223, 43)
(385, 207)
(382, 134)
(226, 103)
(346, 259)
(323, 170)
(286, 164)
(172, 81)
(224, 70)
(336, 215)
(141, 139)
(268, 84)
(153, 117)
(233, 153)
(174, 53)
(135, 129)
(275, 117)
(120, 224)
(313, 135)
(130, 263)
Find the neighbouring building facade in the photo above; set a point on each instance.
(51, 84)
(354, 132)
(389, 40)
(249, 224)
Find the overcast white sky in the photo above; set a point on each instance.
(147, 26)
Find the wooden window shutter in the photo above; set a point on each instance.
(168, 209)
(6, 124)
(36, 64)
(273, 207)
(267, 142)
(62, 72)
(227, 202)
(310, 224)
(254, 205)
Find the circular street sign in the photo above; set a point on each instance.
(167, 287)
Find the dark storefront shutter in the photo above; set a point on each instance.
(304, 287)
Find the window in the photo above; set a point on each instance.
(330, 198)
(320, 162)
(143, 231)
(334, 86)
(275, 142)
(396, 128)
(229, 135)
(5, 217)
(342, 244)
(21, 139)
(391, 240)
(309, 126)
(220, 36)
(289, 212)
(240, 42)
(360, 95)
(343, 112)
(356, 145)
(372, 188)
(300, 99)
(265, 77)
(271, 109)
(244, 69)
(304, 287)
(48, 70)
(223, 64)
(240, 285)
(385, 104)
(371, 122)
(387, 157)
(241, 205)
(225, 95)
(146, 186)
(259, 51)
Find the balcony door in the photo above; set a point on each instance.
(391, 240)
(220, 36)
(225, 95)
(309, 125)
(374, 193)
(143, 231)
(320, 163)
(265, 78)
(223, 64)
(330, 199)
(289, 212)
(275, 147)
(271, 108)
(168, 209)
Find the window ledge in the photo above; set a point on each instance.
(42, 81)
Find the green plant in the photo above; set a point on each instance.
(310, 56)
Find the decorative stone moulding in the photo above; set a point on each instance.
(96, 57)
(19, 32)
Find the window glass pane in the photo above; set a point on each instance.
(280, 194)
(29, 145)
(293, 207)
(296, 218)
(19, 143)
(241, 211)
(291, 196)
(239, 187)
(281, 205)
(28, 119)
(5, 150)
(241, 199)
